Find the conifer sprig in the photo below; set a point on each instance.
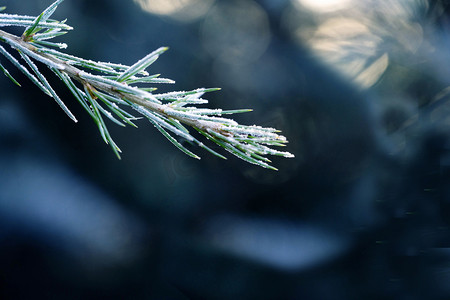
(109, 91)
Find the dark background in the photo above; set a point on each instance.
(360, 89)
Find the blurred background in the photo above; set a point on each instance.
(361, 89)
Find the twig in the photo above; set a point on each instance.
(103, 89)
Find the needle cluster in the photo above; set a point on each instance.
(118, 92)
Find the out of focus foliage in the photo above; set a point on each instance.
(361, 88)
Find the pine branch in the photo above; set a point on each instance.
(106, 89)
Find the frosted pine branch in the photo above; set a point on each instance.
(105, 90)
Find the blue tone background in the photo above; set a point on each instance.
(359, 88)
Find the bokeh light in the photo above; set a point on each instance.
(236, 32)
(180, 10)
(350, 47)
(322, 5)
(280, 245)
(358, 39)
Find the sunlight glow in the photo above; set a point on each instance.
(180, 10)
(359, 39)
(350, 46)
(323, 5)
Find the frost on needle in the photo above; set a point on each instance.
(114, 91)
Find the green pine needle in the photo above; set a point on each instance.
(8, 75)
